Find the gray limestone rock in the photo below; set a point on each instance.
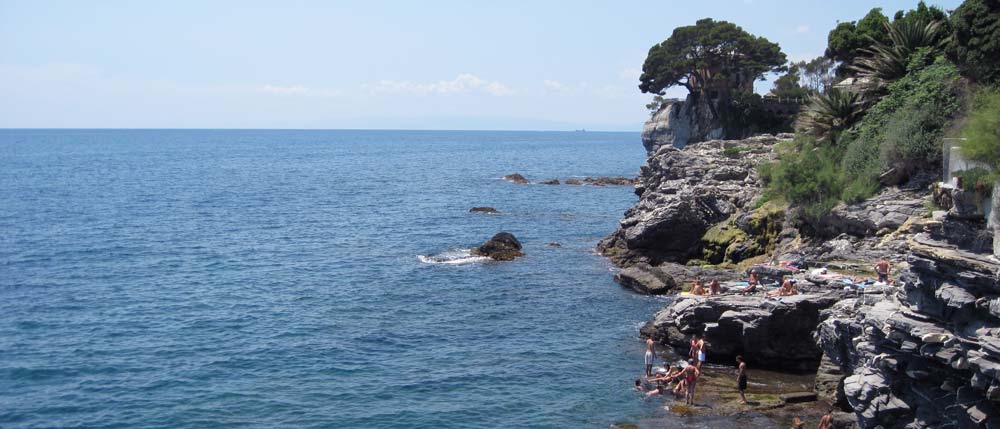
(643, 278)
(774, 333)
(679, 123)
(683, 193)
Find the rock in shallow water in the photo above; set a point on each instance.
(516, 178)
(502, 247)
(487, 210)
(643, 278)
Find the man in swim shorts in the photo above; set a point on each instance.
(741, 378)
(650, 356)
(882, 269)
(700, 345)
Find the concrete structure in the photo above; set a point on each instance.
(994, 219)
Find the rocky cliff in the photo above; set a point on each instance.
(925, 354)
(683, 193)
(678, 123)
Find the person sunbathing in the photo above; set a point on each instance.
(751, 284)
(697, 288)
(714, 288)
(787, 289)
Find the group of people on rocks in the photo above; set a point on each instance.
(682, 380)
(697, 288)
(787, 287)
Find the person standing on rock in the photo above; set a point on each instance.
(882, 269)
(741, 378)
(701, 351)
(693, 351)
(650, 356)
(691, 374)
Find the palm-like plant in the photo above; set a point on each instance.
(884, 63)
(830, 112)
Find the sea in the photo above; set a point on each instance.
(313, 279)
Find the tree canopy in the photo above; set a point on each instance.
(708, 54)
(789, 85)
(976, 40)
(845, 42)
(849, 40)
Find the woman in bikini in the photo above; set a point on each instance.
(691, 374)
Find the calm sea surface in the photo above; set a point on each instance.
(197, 278)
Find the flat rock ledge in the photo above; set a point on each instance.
(769, 332)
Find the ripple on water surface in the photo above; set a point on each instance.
(272, 278)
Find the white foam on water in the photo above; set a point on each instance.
(452, 257)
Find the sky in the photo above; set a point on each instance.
(510, 65)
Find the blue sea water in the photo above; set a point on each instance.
(227, 278)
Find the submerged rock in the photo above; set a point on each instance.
(502, 247)
(604, 181)
(516, 178)
(551, 182)
(487, 210)
(573, 182)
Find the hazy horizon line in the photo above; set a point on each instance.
(312, 129)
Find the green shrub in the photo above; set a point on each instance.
(911, 139)
(734, 151)
(862, 158)
(859, 189)
(982, 132)
(810, 177)
(976, 179)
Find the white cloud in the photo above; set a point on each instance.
(463, 83)
(802, 29)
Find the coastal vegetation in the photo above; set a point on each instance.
(905, 84)
(717, 62)
(709, 56)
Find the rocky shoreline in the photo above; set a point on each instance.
(923, 352)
